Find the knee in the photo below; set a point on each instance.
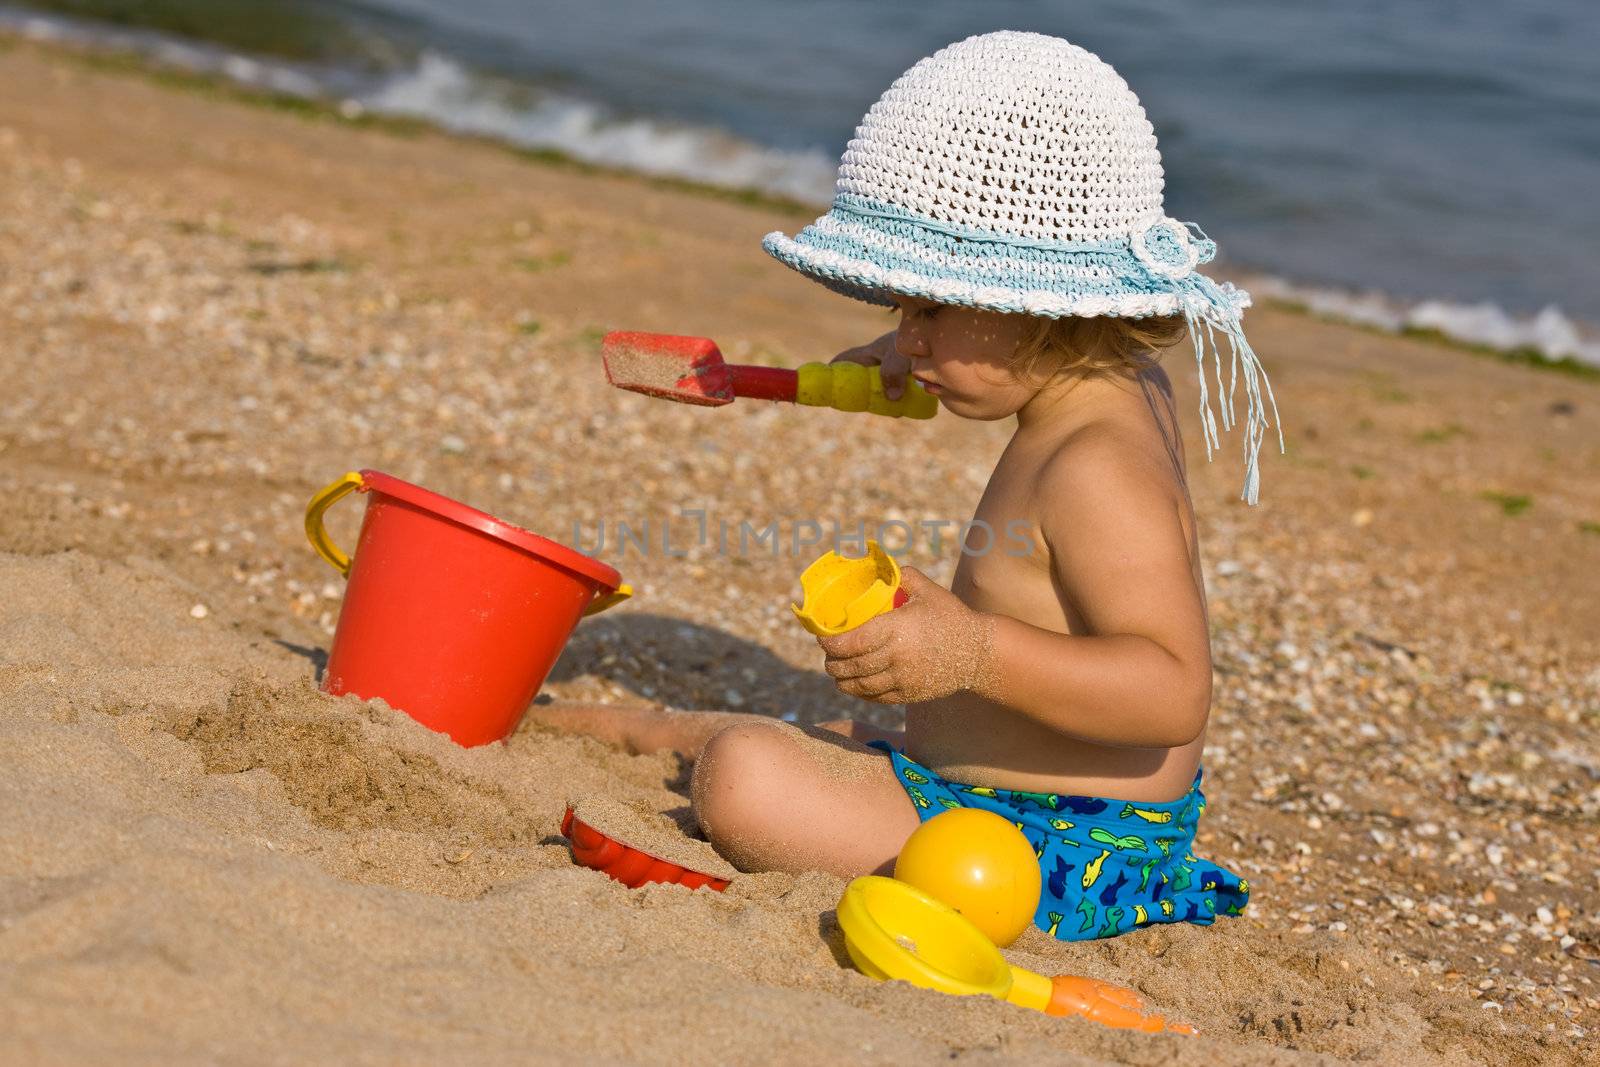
(734, 784)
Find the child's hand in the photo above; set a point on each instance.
(931, 647)
(892, 366)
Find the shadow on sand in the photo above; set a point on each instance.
(686, 665)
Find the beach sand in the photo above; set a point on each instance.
(210, 309)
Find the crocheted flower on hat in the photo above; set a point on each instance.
(1164, 248)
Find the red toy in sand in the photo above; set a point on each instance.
(451, 615)
(631, 866)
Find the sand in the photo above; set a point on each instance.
(645, 371)
(208, 310)
(675, 840)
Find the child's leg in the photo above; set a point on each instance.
(774, 797)
(646, 728)
(856, 730)
(638, 728)
(770, 796)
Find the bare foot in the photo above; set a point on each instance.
(856, 730)
(636, 728)
(646, 728)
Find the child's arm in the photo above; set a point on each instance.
(1141, 676)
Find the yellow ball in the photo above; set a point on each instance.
(979, 864)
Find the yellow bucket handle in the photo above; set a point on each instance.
(317, 534)
(348, 483)
(609, 600)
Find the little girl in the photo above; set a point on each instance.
(1005, 196)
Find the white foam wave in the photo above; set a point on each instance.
(443, 91)
(257, 73)
(446, 93)
(1549, 332)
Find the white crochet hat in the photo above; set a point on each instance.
(1017, 172)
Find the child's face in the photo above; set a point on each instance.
(960, 355)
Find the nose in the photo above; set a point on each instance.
(909, 340)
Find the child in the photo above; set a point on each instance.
(1005, 196)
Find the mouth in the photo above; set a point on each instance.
(931, 388)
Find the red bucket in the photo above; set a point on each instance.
(450, 614)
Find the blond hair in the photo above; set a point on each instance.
(1093, 346)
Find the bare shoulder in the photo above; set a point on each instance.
(1110, 466)
(1113, 517)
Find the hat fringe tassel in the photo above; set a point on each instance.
(1209, 311)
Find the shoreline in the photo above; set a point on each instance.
(204, 853)
(326, 108)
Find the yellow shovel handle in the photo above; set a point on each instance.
(856, 387)
(317, 534)
(610, 600)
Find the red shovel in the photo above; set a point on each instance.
(691, 370)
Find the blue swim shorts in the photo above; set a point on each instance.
(1107, 866)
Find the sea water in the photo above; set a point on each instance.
(1403, 163)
